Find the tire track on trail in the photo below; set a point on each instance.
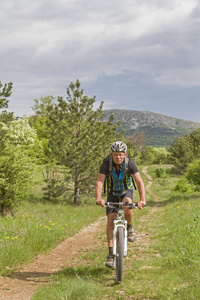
(22, 284)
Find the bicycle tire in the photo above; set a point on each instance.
(120, 255)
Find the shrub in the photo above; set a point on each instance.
(20, 150)
(183, 186)
(161, 173)
(193, 173)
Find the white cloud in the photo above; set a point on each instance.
(180, 77)
(46, 44)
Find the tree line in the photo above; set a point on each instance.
(67, 140)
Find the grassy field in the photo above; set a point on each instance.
(164, 264)
(37, 228)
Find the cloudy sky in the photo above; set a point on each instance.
(132, 54)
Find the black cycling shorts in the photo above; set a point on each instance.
(112, 198)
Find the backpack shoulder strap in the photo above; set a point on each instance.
(126, 161)
(110, 165)
(127, 171)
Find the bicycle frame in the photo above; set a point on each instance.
(120, 222)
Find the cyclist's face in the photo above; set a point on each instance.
(118, 157)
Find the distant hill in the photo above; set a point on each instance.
(160, 129)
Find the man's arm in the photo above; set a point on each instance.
(141, 189)
(98, 189)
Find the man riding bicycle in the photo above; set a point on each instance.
(118, 180)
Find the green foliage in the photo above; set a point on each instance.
(20, 151)
(78, 137)
(161, 173)
(153, 155)
(57, 187)
(193, 173)
(183, 186)
(5, 92)
(160, 155)
(184, 150)
(39, 120)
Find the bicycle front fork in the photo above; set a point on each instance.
(117, 224)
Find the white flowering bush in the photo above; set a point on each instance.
(20, 132)
(20, 151)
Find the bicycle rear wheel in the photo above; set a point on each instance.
(120, 255)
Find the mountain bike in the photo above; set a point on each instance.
(120, 244)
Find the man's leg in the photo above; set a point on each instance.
(109, 230)
(129, 218)
(110, 218)
(128, 212)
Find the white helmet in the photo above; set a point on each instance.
(118, 147)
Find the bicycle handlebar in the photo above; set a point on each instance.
(118, 204)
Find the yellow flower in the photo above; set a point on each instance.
(16, 237)
(178, 206)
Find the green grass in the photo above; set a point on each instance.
(37, 228)
(164, 265)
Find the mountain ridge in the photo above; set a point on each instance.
(160, 129)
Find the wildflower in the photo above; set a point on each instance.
(178, 206)
(62, 228)
(16, 237)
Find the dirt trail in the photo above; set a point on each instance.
(148, 187)
(25, 282)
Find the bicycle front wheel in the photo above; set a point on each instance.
(120, 254)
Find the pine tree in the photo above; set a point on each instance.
(5, 92)
(79, 137)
